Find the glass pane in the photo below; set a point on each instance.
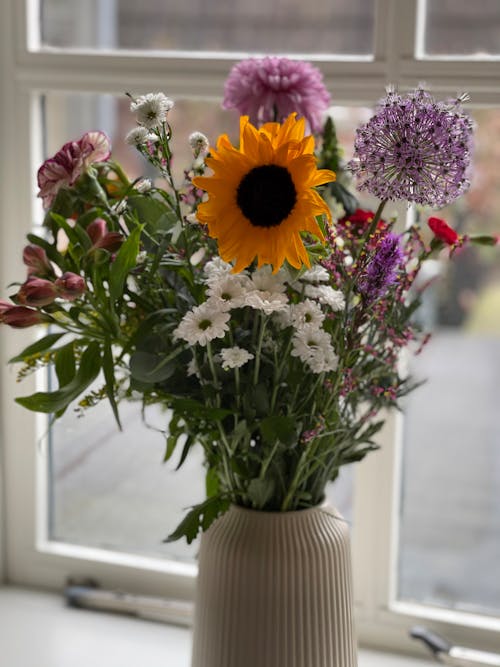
(450, 542)
(220, 25)
(460, 27)
(109, 489)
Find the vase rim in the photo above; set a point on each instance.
(323, 505)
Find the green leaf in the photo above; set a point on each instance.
(483, 239)
(185, 450)
(212, 482)
(260, 491)
(279, 428)
(65, 364)
(148, 367)
(52, 252)
(191, 407)
(40, 346)
(55, 401)
(125, 261)
(76, 234)
(152, 213)
(200, 518)
(108, 367)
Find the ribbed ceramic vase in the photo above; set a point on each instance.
(275, 590)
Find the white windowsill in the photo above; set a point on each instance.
(38, 629)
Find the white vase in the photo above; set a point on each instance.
(275, 590)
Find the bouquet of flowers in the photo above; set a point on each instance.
(256, 301)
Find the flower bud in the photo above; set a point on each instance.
(20, 317)
(70, 286)
(102, 238)
(443, 231)
(37, 261)
(36, 292)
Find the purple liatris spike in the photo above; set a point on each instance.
(382, 270)
(414, 148)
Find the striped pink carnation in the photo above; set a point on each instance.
(69, 163)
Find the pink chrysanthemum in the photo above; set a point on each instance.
(69, 163)
(271, 88)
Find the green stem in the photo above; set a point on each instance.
(259, 350)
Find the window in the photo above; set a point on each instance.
(65, 66)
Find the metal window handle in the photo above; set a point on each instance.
(450, 654)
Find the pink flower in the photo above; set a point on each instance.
(19, 317)
(271, 88)
(69, 163)
(102, 238)
(70, 286)
(37, 292)
(37, 261)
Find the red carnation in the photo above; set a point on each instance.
(443, 231)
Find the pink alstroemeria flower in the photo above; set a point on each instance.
(70, 286)
(19, 317)
(37, 292)
(102, 238)
(69, 163)
(37, 261)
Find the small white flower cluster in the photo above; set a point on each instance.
(199, 144)
(151, 112)
(266, 292)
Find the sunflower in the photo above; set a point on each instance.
(261, 196)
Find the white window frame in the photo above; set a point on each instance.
(26, 555)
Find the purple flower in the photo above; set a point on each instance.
(414, 148)
(271, 88)
(382, 269)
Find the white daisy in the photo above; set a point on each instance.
(215, 269)
(192, 369)
(316, 274)
(199, 143)
(234, 357)
(139, 136)
(264, 279)
(326, 295)
(229, 291)
(144, 185)
(306, 313)
(268, 302)
(202, 324)
(152, 109)
(313, 347)
(323, 360)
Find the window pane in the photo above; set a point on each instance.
(450, 542)
(279, 26)
(460, 27)
(109, 489)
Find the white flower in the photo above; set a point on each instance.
(199, 143)
(229, 291)
(306, 313)
(192, 369)
(234, 357)
(283, 318)
(336, 208)
(202, 324)
(152, 109)
(191, 219)
(197, 256)
(264, 279)
(268, 302)
(144, 185)
(313, 346)
(216, 269)
(139, 136)
(316, 274)
(327, 296)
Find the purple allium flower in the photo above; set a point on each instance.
(382, 269)
(414, 148)
(271, 88)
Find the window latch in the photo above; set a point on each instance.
(451, 654)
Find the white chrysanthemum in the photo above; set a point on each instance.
(215, 269)
(326, 295)
(234, 357)
(152, 109)
(306, 313)
(283, 318)
(229, 290)
(316, 274)
(268, 302)
(313, 346)
(139, 136)
(199, 143)
(202, 324)
(144, 185)
(264, 279)
(192, 369)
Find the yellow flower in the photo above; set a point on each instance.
(261, 196)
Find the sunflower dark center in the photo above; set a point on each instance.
(266, 195)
